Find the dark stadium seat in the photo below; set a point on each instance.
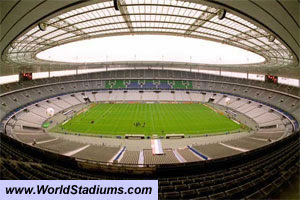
(181, 187)
(268, 190)
(230, 184)
(246, 188)
(187, 181)
(163, 183)
(294, 170)
(278, 182)
(172, 195)
(217, 188)
(204, 191)
(168, 188)
(207, 183)
(200, 198)
(255, 195)
(286, 175)
(193, 185)
(220, 195)
(176, 182)
(188, 194)
(234, 193)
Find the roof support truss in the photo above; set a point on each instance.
(250, 34)
(205, 16)
(66, 26)
(125, 14)
(43, 41)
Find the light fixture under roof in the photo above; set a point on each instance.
(116, 6)
(42, 26)
(221, 14)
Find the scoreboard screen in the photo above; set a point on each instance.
(271, 79)
(25, 76)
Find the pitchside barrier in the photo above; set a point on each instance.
(133, 136)
(174, 136)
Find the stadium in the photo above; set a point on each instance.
(203, 96)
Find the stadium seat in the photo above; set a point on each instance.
(268, 190)
(188, 194)
(234, 193)
(255, 195)
(220, 195)
(168, 188)
(204, 191)
(172, 195)
(181, 187)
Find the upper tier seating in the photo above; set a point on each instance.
(164, 84)
(134, 84)
(149, 84)
(59, 85)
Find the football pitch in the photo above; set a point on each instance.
(149, 119)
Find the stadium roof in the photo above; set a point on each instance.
(269, 29)
(149, 48)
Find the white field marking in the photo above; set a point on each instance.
(65, 122)
(152, 121)
(210, 107)
(235, 121)
(102, 114)
(235, 148)
(71, 153)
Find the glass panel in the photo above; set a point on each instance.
(9, 79)
(289, 81)
(38, 75)
(62, 73)
(258, 77)
(234, 74)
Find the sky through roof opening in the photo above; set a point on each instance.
(149, 48)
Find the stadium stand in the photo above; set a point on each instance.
(215, 150)
(188, 155)
(167, 157)
(133, 84)
(130, 157)
(149, 84)
(98, 153)
(239, 168)
(265, 170)
(60, 146)
(164, 84)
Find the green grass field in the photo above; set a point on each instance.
(119, 119)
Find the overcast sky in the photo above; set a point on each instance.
(150, 48)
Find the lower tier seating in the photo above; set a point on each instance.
(257, 174)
